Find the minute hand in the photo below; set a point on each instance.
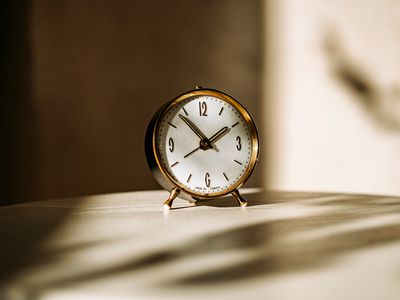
(218, 134)
(194, 128)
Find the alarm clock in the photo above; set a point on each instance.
(202, 145)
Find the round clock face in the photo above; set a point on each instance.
(206, 143)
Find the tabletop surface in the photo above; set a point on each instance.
(284, 245)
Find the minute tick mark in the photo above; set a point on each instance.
(238, 162)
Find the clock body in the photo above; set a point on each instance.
(204, 143)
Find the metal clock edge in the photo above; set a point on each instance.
(159, 172)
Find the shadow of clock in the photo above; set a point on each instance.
(256, 197)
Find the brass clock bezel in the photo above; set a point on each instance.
(153, 156)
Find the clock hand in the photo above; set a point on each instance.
(191, 152)
(194, 128)
(204, 142)
(219, 134)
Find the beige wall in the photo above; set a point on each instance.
(334, 95)
(81, 82)
(98, 70)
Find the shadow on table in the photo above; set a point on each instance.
(271, 242)
(276, 246)
(23, 229)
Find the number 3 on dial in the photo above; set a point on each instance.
(239, 143)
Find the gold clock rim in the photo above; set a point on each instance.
(246, 116)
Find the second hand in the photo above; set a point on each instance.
(191, 152)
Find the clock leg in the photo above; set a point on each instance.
(239, 198)
(168, 203)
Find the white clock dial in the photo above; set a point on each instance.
(217, 163)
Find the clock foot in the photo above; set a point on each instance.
(239, 198)
(168, 203)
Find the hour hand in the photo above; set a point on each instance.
(194, 128)
(219, 134)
